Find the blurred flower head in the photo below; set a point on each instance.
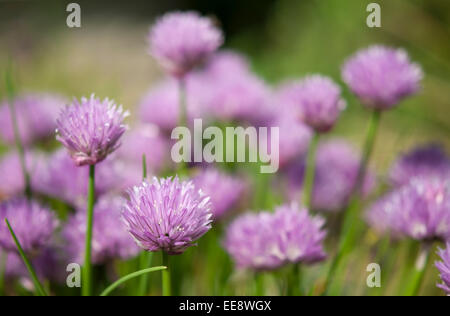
(271, 240)
(419, 210)
(36, 115)
(110, 239)
(317, 100)
(223, 189)
(337, 165)
(167, 214)
(444, 268)
(180, 41)
(58, 177)
(381, 76)
(227, 63)
(33, 225)
(91, 129)
(427, 160)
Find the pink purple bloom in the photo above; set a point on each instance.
(419, 210)
(337, 165)
(167, 214)
(33, 225)
(59, 177)
(444, 268)
(318, 101)
(270, 240)
(180, 41)
(381, 76)
(36, 115)
(145, 139)
(427, 160)
(227, 63)
(109, 237)
(91, 129)
(223, 189)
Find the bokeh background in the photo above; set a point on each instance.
(283, 39)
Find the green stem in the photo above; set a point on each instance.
(420, 268)
(130, 276)
(3, 260)
(144, 167)
(17, 138)
(259, 283)
(87, 269)
(350, 220)
(37, 285)
(310, 171)
(294, 281)
(166, 285)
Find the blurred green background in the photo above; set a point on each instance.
(283, 39)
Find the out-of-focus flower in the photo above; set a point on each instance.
(240, 97)
(299, 235)
(223, 189)
(47, 265)
(317, 100)
(11, 172)
(144, 139)
(444, 268)
(419, 210)
(33, 225)
(110, 239)
(381, 76)
(36, 115)
(180, 41)
(427, 160)
(270, 240)
(227, 63)
(167, 215)
(91, 129)
(160, 106)
(337, 165)
(59, 177)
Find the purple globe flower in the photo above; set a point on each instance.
(318, 101)
(167, 215)
(109, 237)
(223, 189)
(419, 210)
(444, 268)
(266, 241)
(381, 76)
(91, 129)
(36, 115)
(180, 41)
(427, 160)
(33, 225)
(337, 165)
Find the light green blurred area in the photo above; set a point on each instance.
(108, 56)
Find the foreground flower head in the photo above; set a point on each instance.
(337, 165)
(182, 40)
(419, 210)
(36, 115)
(167, 214)
(427, 160)
(318, 101)
(33, 225)
(266, 241)
(110, 239)
(444, 268)
(91, 129)
(223, 189)
(381, 76)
